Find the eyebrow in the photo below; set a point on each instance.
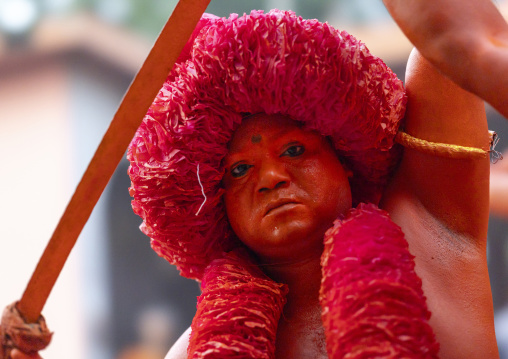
(285, 145)
(292, 143)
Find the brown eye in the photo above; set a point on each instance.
(240, 170)
(294, 151)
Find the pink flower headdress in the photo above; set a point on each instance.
(271, 63)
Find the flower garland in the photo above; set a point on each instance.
(371, 298)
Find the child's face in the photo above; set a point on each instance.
(284, 188)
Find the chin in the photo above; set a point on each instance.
(290, 241)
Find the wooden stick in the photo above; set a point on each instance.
(127, 119)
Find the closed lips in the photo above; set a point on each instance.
(278, 204)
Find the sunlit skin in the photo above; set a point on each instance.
(284, 188)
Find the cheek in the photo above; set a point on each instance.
(342, 197)
(330, 184)
(237, 210)
(336, 196)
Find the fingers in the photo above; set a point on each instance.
(18, 354)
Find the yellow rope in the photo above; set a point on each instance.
(444, 149)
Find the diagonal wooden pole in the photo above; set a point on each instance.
(127, 119)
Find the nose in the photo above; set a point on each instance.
(272, 175)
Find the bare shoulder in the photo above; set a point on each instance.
(179, 349)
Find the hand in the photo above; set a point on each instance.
(18, 354)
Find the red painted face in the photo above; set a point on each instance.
(284, 188)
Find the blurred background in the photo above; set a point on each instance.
(64, 67)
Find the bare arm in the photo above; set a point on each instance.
(465, 40)
(442, 206)
(453, 191)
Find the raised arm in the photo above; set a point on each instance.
(465, 40)
(453, 191)
(442, 206)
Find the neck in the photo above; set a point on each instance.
(303, 279)
(300, 331)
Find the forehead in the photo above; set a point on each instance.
(261, 126)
